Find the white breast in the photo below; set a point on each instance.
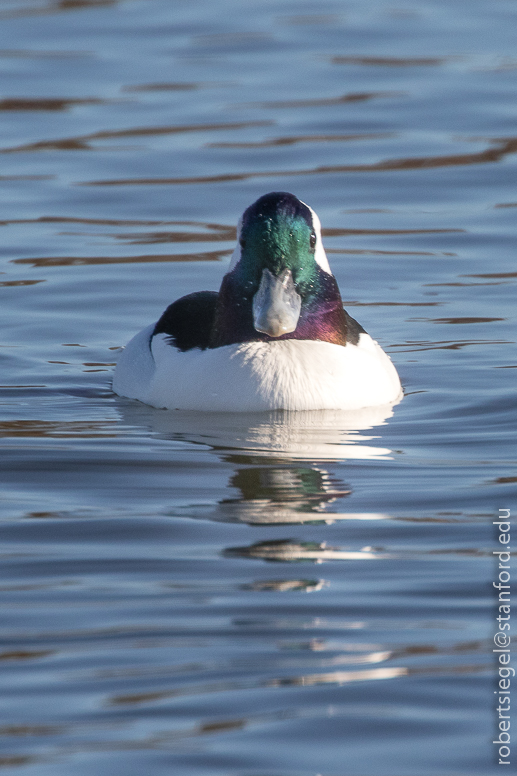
(257, 376)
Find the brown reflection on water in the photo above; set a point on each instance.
(391, 304)
(412, 163)
(174, 181)
(338, 232)
(335, 677)
(84, 142)
(166, 739)
(13, 761)
(492, 275)
(58, 429)
(294, 139)
(459, 320)
(372, 252)
(30, 730)
(505, 147)
(68, 5)
(54, 7)
(223, 725)
(22, 654)
(64, 261)
(323, 101)
(7, 283)
(119, 222)
(458, 284)
(219, 233)
(46, 103)
(414, 346)
(141, 697)
(350, 653)
(391, 653)
(165, 87)
(391, 61)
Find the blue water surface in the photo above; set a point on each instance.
(280, 594)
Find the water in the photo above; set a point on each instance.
(268, 595)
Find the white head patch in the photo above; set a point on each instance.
(319, 253)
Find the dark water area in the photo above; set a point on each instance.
(280, 594)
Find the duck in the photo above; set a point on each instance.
(274, 337)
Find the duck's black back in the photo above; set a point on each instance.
(189, 320)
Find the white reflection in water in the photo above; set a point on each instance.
(279, 457)
(287, 550)
(322, 435)
(342, 677)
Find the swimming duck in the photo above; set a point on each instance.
(275, 336)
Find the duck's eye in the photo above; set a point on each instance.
(242, 241)
(312, 240)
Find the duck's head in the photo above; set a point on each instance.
(279, 284)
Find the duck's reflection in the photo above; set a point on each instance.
(289, 494)
(283, 550)
(286, 585)
(304, 488)
(280, 460)
(322, 435)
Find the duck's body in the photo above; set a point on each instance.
(274, 337)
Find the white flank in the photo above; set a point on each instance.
(257, 376)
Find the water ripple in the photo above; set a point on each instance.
(490, 155)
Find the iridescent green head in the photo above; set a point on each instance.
(278, 233)
(279, 284)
